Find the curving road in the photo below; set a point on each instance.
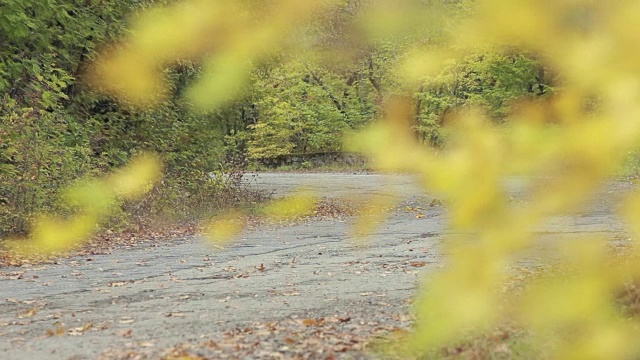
(140, 301)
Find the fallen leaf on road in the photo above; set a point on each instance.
(211, 344)
(175, 314)
(58, 331)
(182, 355)
(29, 313)
(313, 322)
(418, 264)
(12, 276)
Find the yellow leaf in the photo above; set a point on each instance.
(298, 204)
(223, 228)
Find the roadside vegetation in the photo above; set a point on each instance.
(56, 129)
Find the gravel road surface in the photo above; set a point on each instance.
(301, 291)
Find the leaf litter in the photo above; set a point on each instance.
(156, 234)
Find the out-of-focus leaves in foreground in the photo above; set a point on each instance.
(227, 36)
(297, 204)
(224, 227)
(566, 145)
(93, 200)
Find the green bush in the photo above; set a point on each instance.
(38, 156)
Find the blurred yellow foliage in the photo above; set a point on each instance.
(137, 178)
(372, 215)
(228, 36)
(94, 200)
(297, 204)
(565, 151)
(224, 227)
(567, 146)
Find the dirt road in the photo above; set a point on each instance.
(277, 292)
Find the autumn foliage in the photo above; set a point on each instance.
(566, 117)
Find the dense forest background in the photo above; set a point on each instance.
(55, 129)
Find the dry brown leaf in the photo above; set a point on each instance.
(313, 322)
(211, 344)
(309, 322)
(183, 356)
(29, 313)
(175, 314)
(58, 331)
